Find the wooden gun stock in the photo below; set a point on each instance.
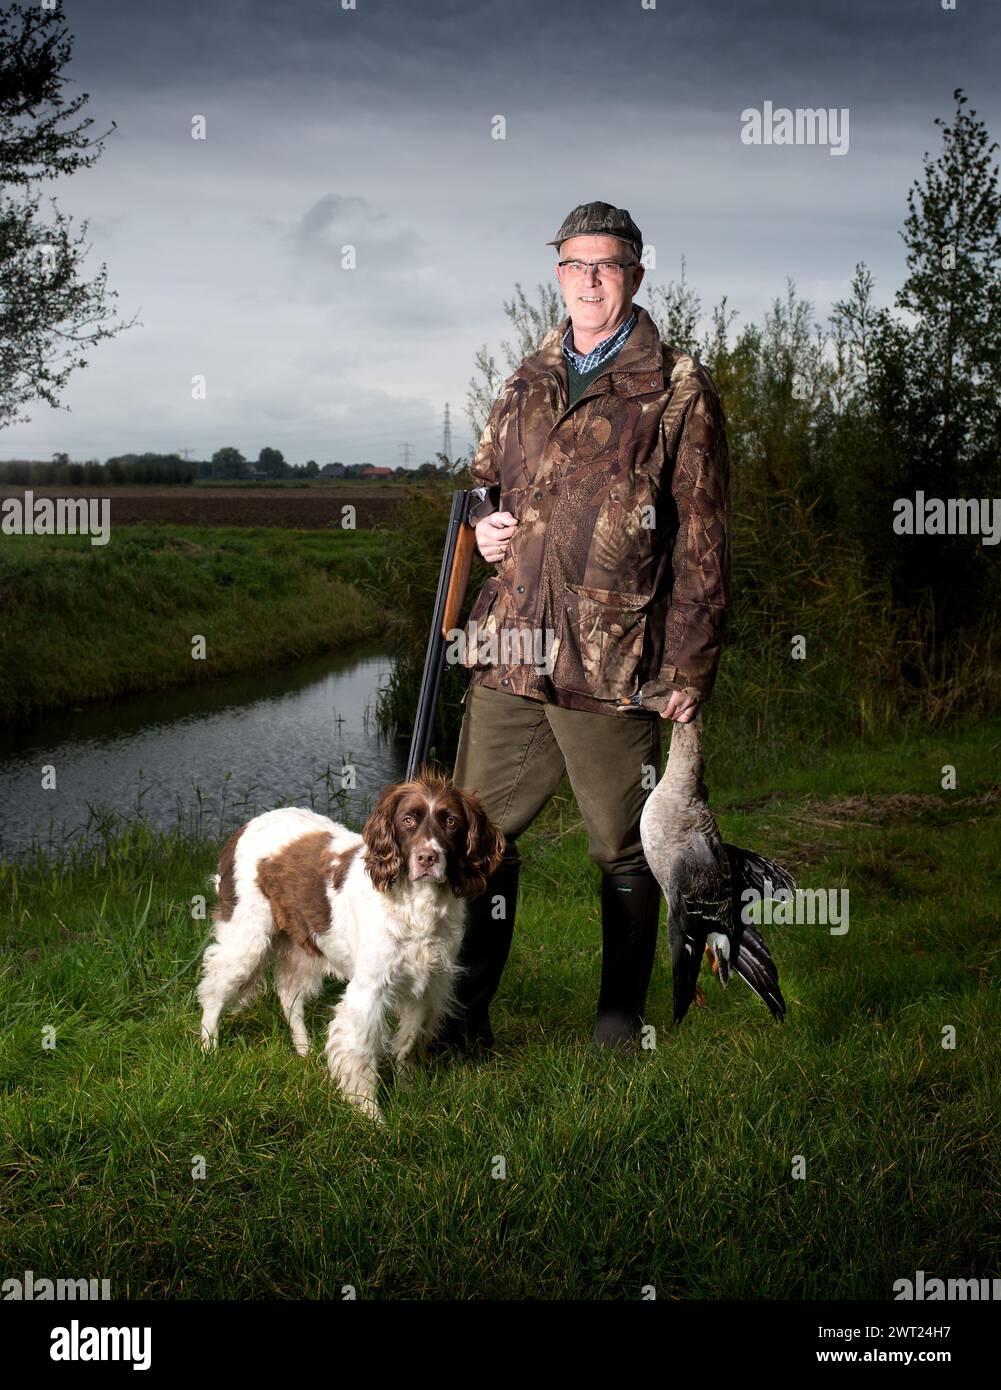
(458, 580)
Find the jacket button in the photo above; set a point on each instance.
(505, 681)
(653, 382)
(520, 589)
(538, 497)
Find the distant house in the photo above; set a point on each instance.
(332, 470)
(371, 472)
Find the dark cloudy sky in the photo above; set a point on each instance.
(372, 127)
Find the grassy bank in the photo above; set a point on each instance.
(81, 622)
(673, 1168)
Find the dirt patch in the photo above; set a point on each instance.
(804, 837)
(896, 809)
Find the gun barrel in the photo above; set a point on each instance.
(452, 580)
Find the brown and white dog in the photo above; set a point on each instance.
(383, 910)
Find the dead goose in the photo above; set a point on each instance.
(702, 877)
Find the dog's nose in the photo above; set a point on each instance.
(427, 858)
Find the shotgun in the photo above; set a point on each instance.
(460, 543)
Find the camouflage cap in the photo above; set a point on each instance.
(600, 219)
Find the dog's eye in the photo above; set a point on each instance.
(408, 819)
(451, 820)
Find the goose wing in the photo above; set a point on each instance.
(698, 902)
(753, 962)
(751, 870)
(750, 957)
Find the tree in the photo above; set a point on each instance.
(229, 463)
(271, 462)
(920, 397)
(531, 323)
(676, 309)
(50, 315)
(953, 237)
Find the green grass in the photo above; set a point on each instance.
(81, 622)
(673, 1168)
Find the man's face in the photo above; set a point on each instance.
(597, 301)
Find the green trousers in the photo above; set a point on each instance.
(513, 752)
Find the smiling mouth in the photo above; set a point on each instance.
(591, 298)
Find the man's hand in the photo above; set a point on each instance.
(681, 708)
(493, 534)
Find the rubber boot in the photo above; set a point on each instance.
(630, 911)
(483, 955)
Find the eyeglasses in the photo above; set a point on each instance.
(613, 269)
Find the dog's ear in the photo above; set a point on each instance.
(485, 846)
(383, 859)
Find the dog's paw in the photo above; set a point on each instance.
(369, 1107)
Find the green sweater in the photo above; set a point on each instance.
(577, 381)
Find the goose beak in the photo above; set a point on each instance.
(653, 697)
(630, 704)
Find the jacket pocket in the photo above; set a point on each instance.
(606, 638)
(480, 622)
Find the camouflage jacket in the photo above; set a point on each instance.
(619, 569)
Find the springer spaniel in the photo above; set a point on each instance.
(296, 886)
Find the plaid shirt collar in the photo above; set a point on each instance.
(607, 348)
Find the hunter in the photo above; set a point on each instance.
(605, 459)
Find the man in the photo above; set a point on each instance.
(606, 461)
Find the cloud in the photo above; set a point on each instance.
(392, 283)
(335, 220)
(371, 128)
